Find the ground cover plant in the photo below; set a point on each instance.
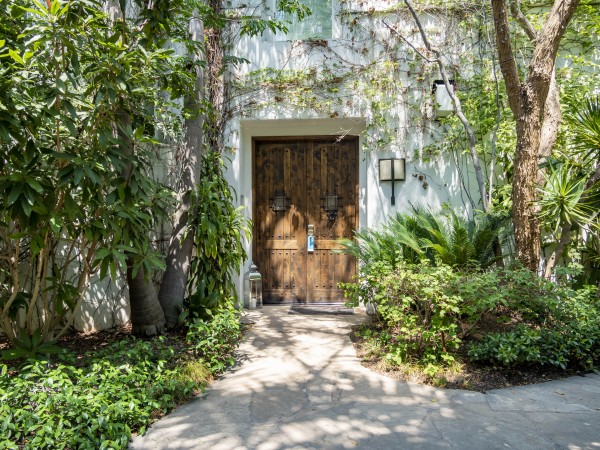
(98, 399)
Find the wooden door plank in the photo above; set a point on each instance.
(297, 186)
(281, 244)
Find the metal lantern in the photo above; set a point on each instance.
(253, 288)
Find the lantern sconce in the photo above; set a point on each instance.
(279, 202)
(443, 102)
(331, 205)
(392, 169)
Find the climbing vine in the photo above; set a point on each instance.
(377, 68)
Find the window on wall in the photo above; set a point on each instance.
(316, 26)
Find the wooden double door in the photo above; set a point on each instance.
(304, 186)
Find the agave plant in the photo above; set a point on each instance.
(562, 198)
(585, 124)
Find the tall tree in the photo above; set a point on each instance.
(534, 113)
(179, 255)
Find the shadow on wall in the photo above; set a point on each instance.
(105, 305)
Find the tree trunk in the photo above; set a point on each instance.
(179, 255)
(147, 317)
(524, 211)
(216, 88)
(528, 101)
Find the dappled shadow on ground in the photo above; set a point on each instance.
(300, 386)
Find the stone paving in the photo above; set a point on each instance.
(299, 385)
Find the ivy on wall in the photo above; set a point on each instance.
(377, 68)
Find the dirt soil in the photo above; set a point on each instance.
(471, 377)
(83, 345)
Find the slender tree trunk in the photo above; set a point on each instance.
(455, 100)
(179, 255)
(216, 89)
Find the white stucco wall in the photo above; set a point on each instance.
(349, 111)
(275, 113)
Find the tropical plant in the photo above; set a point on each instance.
(66, 212)
(561, 201)
(426, 235)
(571, 195)
(219, 232)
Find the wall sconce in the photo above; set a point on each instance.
(331, 205)
(279, 202)
(392, 170)
(443, 103)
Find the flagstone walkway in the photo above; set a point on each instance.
(299, 385)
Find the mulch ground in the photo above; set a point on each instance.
(83, 345)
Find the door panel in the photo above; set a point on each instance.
(334, 171)
(304, 171)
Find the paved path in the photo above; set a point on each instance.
(300, 386)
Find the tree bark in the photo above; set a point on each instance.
(527, 101)
(147, 317)
(179, 255)
(216, 87)
(552, 113)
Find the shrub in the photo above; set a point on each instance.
(99, 402)
(517, 317)
(219, 231)
(215, 341)
(414, 304)
(569, 335)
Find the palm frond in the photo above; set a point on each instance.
(585, 124)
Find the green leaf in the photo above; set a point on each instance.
(14, 194)
(35, 185)
(15, 56)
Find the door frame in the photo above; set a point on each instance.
(292, 138)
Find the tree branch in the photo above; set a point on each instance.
(515, 11)
(457, 106)
(508, 66)
(410, 44)
(544, 54)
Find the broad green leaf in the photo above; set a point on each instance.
(14, 55)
